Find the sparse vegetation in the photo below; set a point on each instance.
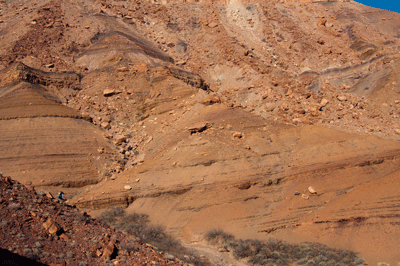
(14, 206)
(277, 252)
(138, 224)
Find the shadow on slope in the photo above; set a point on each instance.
(9, 258)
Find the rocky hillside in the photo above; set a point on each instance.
(262, 118)
(35, 229)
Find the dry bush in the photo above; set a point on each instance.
(138, 224)
(277, 252)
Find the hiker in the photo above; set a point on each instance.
(60, 197)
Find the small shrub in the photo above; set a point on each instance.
(219, 236)
(3, 223)
(302, 261)
(38, 245)
(359, 261)
(112, 216)
(311, 263)
(331, 263)
(82, 263)
(137, 224)
(14, 206)
(70, 255)
(61, 256)
(242, 250)
(27, 250)
(46, 254)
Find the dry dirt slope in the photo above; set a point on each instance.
(213, 113)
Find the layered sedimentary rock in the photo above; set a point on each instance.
(210, 114)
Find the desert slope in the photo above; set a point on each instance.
(210, 114)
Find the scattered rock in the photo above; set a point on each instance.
(312, 190)
(243, 186)
(269, 107)
(109, 250)
(304, 196)
(223, 249)
(122, 69)
(342, 98)
(212, 25)
(211, 101)
(329, 24)
(238, 135)
(321, 22)
(99, 252)
(297, 193)
(105, 125)
(127, 187)
(107, 135)
(108, 92)
(324, 102)
(64, 237)
(51, 226)
(285, 107)
(199, 127)
(119, 139)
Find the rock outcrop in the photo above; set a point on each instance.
(208, 114)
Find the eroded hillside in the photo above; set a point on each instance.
(210, 114)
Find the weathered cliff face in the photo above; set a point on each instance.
(210, 114)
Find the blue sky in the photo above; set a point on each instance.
(392, 5)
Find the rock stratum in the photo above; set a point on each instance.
(263, 118)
